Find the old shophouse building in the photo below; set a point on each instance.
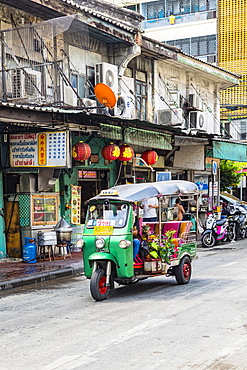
(53, 53)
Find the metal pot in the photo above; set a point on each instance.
(63, 230)
(64, 236)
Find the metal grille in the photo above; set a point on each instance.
(24, 207)
(197, 46)
(232, 55)
(33, 57)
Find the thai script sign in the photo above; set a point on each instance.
(45, 149)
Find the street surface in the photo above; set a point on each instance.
(155, 324)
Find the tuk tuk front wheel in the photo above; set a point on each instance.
(98, 288)
(183, 271)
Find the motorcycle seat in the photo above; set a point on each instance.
(220, 222)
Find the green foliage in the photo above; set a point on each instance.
(163, 249)
(228, 175)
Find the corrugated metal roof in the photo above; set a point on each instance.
(103, 16)
(179, 51)
(42, 109)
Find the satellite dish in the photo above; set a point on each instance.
(105, 95)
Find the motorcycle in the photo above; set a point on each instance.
(215, 230)
(237, 223)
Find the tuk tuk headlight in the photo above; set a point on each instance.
(100, 243)
(124, 244)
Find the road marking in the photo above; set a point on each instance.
(229, 264)
(72, 362)
(61, 361)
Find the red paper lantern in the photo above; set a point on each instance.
(110, 152)
(126, 153)
(81, 151)
(150, 157)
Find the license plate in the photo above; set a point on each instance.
(103, 230)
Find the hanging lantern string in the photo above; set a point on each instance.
(145, 163)
(119, 172)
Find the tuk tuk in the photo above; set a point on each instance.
(167, 246)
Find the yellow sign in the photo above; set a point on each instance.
(76, 205)
(42, 149)
(103, 230)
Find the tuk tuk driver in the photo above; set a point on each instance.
(136, 235)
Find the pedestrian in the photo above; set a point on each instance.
(150, 205)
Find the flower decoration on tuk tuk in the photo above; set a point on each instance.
(166, 248)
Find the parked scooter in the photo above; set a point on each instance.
(215, 230)
(237, 223)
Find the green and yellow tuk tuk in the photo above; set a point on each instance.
(167, 246)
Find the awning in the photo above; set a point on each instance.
(232, 151)
(137, 192)
(137, 136)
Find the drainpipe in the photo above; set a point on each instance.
(2, 221)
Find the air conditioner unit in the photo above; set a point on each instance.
(26, 83)
(170, 117)
(70, 98)
(198, 120)
(127, 84)
(125, 107)
(107, 73)
(195, 101)
(90, 103)
(174, 98)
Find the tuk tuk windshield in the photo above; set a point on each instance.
(107, 213)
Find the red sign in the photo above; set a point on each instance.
(87, 174)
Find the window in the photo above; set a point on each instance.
(141, 99)
(202, 5)
(107, 213)
(135, 8)
(90, 82)
(155, 10)
(78, 83)
(197, 46)
(161, 9)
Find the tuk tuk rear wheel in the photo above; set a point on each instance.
(98, 288)
(183, 271)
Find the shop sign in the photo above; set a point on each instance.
(87, 174)
(190, 157)
(215, 189)
(45, 149)
(94, 158)
(76, 204)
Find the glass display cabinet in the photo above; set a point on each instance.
(44, 209)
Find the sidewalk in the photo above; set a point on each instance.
(14, 273)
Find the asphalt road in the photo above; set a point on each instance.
(155, 324)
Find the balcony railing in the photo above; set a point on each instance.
(179, 19)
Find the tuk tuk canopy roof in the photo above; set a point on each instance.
(138, 192)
